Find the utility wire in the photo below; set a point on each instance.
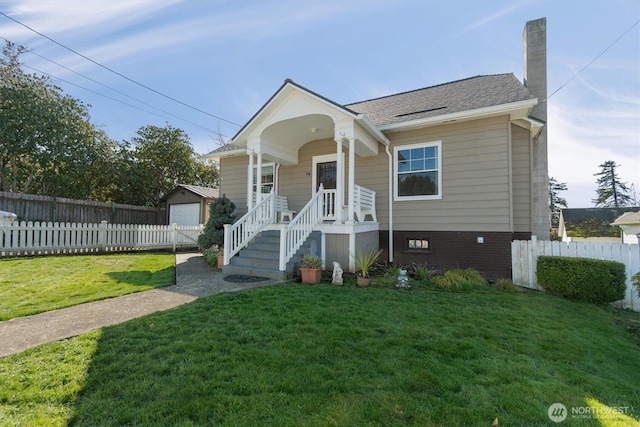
(120, 101)
(112, 89)
(119, 74)
(593, 60)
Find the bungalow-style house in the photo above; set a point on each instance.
(593, 225)
(189, 204)
(444, 176)
(629, 223)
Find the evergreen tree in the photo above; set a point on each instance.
(220, 213)
(555, 201)
(611, 192)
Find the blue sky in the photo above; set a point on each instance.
(227, 57)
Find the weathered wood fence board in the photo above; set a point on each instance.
(33, 207)
(525, 253)
(27, 238)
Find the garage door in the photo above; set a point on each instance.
(186, 214)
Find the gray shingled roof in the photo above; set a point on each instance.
(461, 95)
(628, 218)
(226, 147)
(205, 192)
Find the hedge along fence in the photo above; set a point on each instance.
(591, 280)
(33, 207)
(525, 254)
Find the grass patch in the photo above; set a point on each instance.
(37, 284)
(293, 355)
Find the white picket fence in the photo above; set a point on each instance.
(525, 253)
(27, 238)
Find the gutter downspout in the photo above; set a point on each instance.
(386, 149)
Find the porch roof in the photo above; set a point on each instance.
(294, 116)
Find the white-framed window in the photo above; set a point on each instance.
(268, 177)
(418, 171)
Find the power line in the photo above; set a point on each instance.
(119, 74)
(593, 60)
(120, 101)
(112, 89)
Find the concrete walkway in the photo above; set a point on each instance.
(194, 279)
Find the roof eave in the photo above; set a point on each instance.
(229, 153)
(494, 110)
(373, 129)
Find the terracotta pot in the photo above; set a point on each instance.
(362, 282)
(310, 275)
(220, 261)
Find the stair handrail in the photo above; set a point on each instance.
(296, 232)
(241, 232)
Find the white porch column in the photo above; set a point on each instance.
(250, 181)
(259, 178)
(339, 181)
(352, 179)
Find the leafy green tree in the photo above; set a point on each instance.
(164, 157)
(611, 192)
(46, 140)
(555, 201)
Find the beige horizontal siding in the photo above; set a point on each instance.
(521, 166)
(233, 182)
(475, 179)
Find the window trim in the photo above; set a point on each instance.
(396, 149)
(255, 177)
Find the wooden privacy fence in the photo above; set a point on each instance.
(525, 253)
(33, 207)
(27, 238)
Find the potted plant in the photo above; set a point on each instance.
(310, 268)
(364, 262)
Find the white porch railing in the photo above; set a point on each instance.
(364, 203)
(329, 204)
(240, 233)
(296, 232)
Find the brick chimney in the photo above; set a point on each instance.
(534, 42)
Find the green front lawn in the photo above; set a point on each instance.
(292, 355)
(37, 284)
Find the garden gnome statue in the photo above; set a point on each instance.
(403, 280)
(337, 273)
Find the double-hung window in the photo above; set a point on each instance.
(268, 175)
(418, 171)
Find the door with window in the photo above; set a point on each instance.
(327, 175)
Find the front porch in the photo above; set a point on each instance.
(262, 243)
(301, 167)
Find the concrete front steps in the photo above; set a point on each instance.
(260, 258)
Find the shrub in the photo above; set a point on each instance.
(211, 257)
(635, 281)
(220, 213)
(459, 279)
(583, 279)
(505, 285)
